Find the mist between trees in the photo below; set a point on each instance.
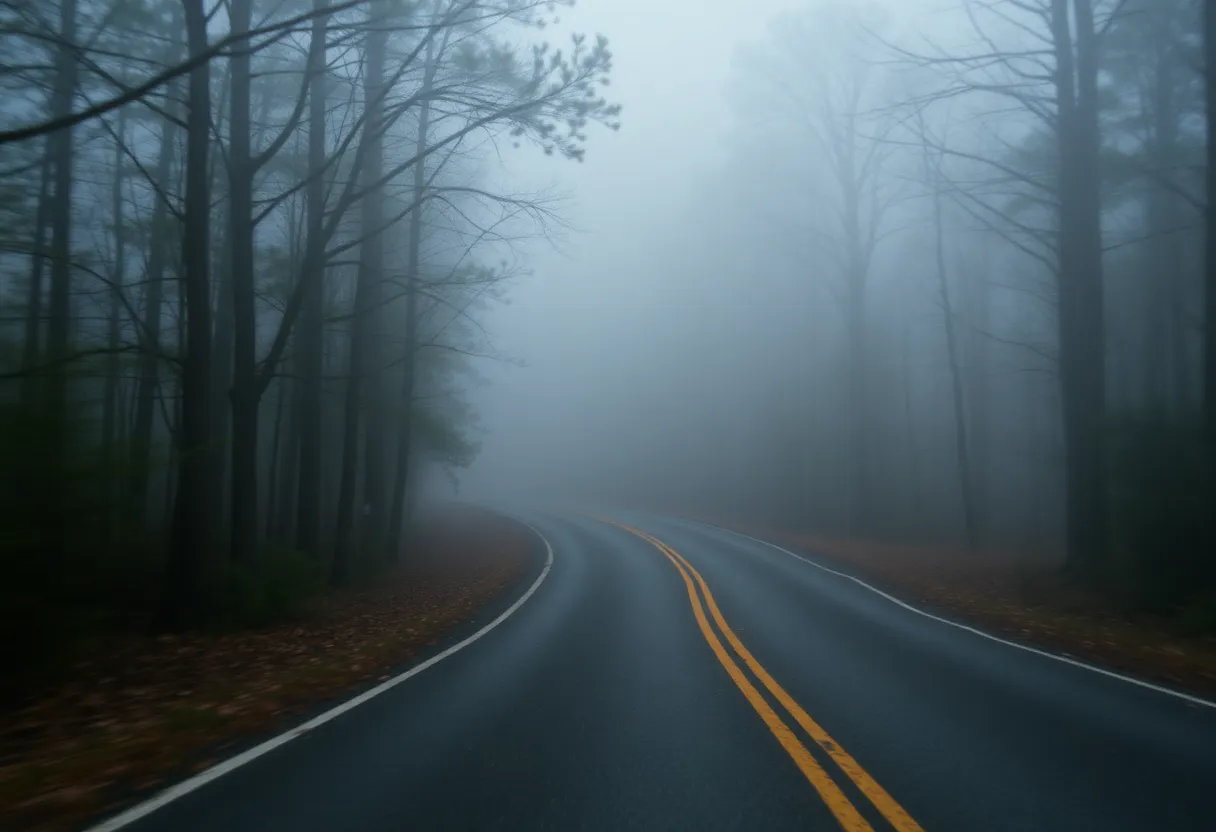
(945, 285)
(948, 284)
(245, 248)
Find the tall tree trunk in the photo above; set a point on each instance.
(148, 384)
(192, 513)
(33, 304)
(1081, 314)
(310, 332)
(289, 467)
(1169, 364)
(225, 421)
(405, 434)
(861, 494)
(272, 466)
(245, 394)
(222, 368)
(978, 386)
(860, 505)
(961, 443)
(109, 418)
(372, 324)
(364, 357)
(1209, 288)
(173, 422)
(59, 324)
(344, 530)
(914, 486)
(222, 317)
(280, 515)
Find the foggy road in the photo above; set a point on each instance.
(668, 675)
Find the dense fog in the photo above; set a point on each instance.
(691, 349)
(928, 271)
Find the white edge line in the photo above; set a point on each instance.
(217, 771)
(1186, 697)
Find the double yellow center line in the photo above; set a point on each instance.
(846, 813)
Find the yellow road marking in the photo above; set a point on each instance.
(882, 800)
(848, 816)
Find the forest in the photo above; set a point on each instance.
(948, 283)
(245, 249)
(791, 376)
(1012, 330)
(944, 283)
(1015, 210)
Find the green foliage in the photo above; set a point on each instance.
(71, 575)
(283, 585)
(444, 437)
(61, 581)
(1161, 494)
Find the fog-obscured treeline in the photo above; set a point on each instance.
(245, 248)
(947, 286)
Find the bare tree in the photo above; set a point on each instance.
(1209, 336)
(193, 514)
(162, 227)
(59, 312)
(1055, 82)
(962, 444)
(405, 430)
(833, 98)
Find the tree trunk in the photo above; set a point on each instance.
(916, 493)
(272, 466)
(371, 324)
(1169, 364)
(55, 418)
(1209, 293)
(364, 357)
(222, 369)
(109, 418)
(148, 386)
(310, 333)
(289, 479)
(344, 530)
(33, 304)
(245, 393)
(173, 421)
(405, 433)
(1081, 314)
(280, 514)
(192, 513)
(861, 495)
(860, 508)
(961, 443)
(978, 386)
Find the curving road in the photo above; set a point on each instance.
(667, 675)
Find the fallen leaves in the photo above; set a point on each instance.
(1023, 597)
(147, 710)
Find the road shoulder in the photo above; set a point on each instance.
(1031, 606)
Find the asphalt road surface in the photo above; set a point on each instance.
(667, 675)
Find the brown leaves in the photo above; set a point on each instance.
(144, 711)
(1023, 597)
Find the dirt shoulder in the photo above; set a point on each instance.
(1021, 598)
(146, 711)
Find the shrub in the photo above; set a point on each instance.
(282, 585)
(1161, 495)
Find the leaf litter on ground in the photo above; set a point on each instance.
(1025, 597)
(146, 710)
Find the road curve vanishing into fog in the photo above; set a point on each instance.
(671, 676)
